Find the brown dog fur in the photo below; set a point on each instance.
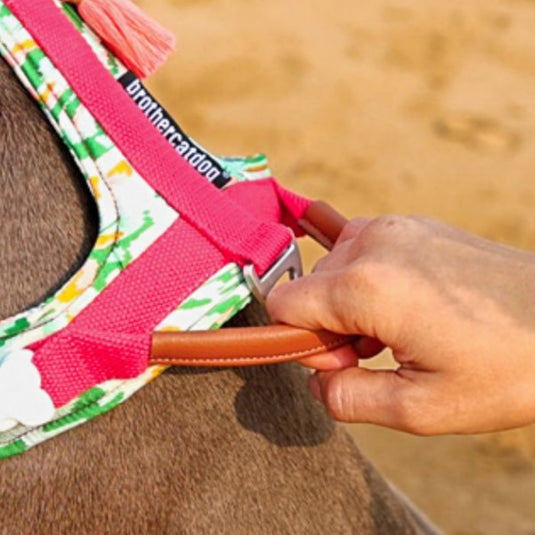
(196, 452)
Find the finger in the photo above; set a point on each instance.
(340, 358)
(363, 396)
(345, 357)
(337, 259)
(302, 302)
(309, 302)
(345, 248)
(352, 230)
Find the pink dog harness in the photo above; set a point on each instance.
(177, 225)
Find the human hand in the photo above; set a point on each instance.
(457, 311)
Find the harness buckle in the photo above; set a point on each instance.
(289, 262)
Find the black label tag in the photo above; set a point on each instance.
(203, 162)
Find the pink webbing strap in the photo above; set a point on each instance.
(236, 232)
(111, 338)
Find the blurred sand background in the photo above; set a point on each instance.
(378, 106)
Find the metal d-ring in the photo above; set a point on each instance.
(289, 262)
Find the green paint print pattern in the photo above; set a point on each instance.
(132, 217)
(201, 311)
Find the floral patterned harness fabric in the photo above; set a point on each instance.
(132, 217)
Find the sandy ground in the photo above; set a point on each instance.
(404, 106)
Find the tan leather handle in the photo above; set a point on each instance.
(242, 346)
(249, 346)
(323, 223)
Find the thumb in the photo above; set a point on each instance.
(364, 396)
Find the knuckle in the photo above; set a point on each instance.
(419, 218)
(338, 399)
(353, 228)
(392, 229)
(383, 224)
(322, 264)
(358, 294)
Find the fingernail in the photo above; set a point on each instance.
(314, 386)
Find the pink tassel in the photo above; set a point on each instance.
(137, 40)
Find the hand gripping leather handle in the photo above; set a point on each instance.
(248, 346)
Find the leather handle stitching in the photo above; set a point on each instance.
(310, 351)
